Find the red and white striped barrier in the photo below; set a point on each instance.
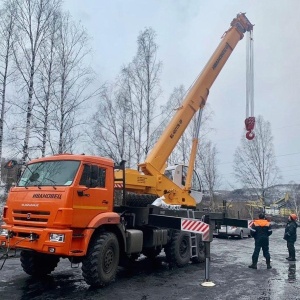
(196, 226)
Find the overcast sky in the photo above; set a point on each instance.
(188, 31)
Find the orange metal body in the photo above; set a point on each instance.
(58, 209)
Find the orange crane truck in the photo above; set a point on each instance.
(94, 212)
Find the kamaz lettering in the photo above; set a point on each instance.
(221, 56)
(30, 204)
(51, 196)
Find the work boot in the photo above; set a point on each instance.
(287, 258)
(269, 264)
(253, 266)
(291, 259)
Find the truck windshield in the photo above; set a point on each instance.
(49, 173)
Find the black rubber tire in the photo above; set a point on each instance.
(38, 264)
(201, 252)
(151, 253)
(138, 200)
(99, 266)
(178, 250)
(241, 236)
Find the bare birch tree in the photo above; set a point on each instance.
(294, 199)
(124, 123)
(7, 23)
(110, 134)
(73, 87)
(145, 82)
(208, 169)
(47, 75)
(33, 20)
(254, 160)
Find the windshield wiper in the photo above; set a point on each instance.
(39, 183)
(54, 183)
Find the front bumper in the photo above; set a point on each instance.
(37, 239)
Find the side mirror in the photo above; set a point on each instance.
(34, 177)
(10, 164)
(80, 193)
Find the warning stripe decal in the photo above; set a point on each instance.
(118, 185)
(196, 226)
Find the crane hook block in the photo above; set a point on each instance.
(249, 123)
(250, 135)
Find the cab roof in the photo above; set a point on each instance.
(79, 157)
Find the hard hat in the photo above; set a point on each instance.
(294, 217)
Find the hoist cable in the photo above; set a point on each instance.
(249, 75)
(250, 120)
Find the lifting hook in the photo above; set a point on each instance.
(249, 123)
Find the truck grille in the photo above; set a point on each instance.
(31, 216)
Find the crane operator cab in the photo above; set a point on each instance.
(178, 174)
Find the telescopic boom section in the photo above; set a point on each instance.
(196, 98)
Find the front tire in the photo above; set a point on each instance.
(178, 251)
(38, 264)
(99, 267)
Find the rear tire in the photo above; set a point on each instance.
(241, 236)
(38, 264)
(178, 250)
(99, 266)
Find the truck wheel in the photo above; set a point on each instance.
(99, 266)
(201, 253)
(178, 251)
(38, 264)
(241, 235)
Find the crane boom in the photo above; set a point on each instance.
(196, 98)
(151, 177)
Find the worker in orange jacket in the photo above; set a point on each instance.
(261, 230)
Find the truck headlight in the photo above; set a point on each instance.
(4, 232)
(57, 237)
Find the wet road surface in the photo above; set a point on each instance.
(147, 281)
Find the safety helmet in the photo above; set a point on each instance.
(293, 217)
